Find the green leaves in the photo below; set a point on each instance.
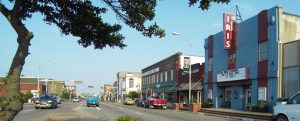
(205, 4)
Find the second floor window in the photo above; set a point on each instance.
(263, 51)
(131, 83)
(232, 58)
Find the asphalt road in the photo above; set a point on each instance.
(70, 111)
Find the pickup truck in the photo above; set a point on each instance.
(155, 102)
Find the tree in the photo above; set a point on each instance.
(79, 18)
(132, 94)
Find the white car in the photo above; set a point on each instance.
(76, 100)
(289, 111)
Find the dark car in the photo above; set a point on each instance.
(92, 100)
(140, 102)
(46, 101)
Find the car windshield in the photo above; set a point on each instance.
(46, 97)
(92, 97)
(148, 60)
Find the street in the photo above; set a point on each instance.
(108, 111)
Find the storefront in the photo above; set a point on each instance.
(242, 61)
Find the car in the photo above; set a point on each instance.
(75, 99)
(56, 97)
(92, 100)
(288, 111)
(155, 102)
(140, 102)
(46, 101)
(128, 101)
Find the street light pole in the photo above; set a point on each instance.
(190, 69)
(39, 71)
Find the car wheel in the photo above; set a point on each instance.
(282, 118)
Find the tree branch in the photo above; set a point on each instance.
(15, 10)
(5, 11)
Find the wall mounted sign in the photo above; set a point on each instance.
(228, 21)
(233, 75)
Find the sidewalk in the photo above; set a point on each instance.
(237, 114)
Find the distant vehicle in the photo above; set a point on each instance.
(75, 99)
(140, 102)
(128, 102)
(46, 101)
(92, 100)
(289, 111)
(155, 102)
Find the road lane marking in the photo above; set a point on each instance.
(98, 108)
(76, 106)
(139, 113)
(121, 108)
(28, 110)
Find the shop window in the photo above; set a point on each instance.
(210, 64)
(290, 81)
(232, 58)
(263, 51)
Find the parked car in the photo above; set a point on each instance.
(155, 102)
(128, 102)
(289, 111)
(46, 101)
(140, 102)
(75, 99)
(92, 100)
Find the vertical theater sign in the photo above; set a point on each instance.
(228, 28)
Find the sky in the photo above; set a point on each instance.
(98, 67)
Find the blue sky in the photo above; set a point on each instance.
(97, 67)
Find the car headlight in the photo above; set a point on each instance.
(49, 101)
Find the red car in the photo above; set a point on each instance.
(156, 102)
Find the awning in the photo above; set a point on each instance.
(194, 86)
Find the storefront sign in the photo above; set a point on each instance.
(232, 75)
(151, 71)
(228, 21)
(186, 64)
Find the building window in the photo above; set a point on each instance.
(166, 75)
(263, 51)
(157, 78)
(210, 64)
(161, 77)
(153, 79)
(210, 94)
(172, 74)
(232, 58)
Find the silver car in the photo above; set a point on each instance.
(46, 101)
